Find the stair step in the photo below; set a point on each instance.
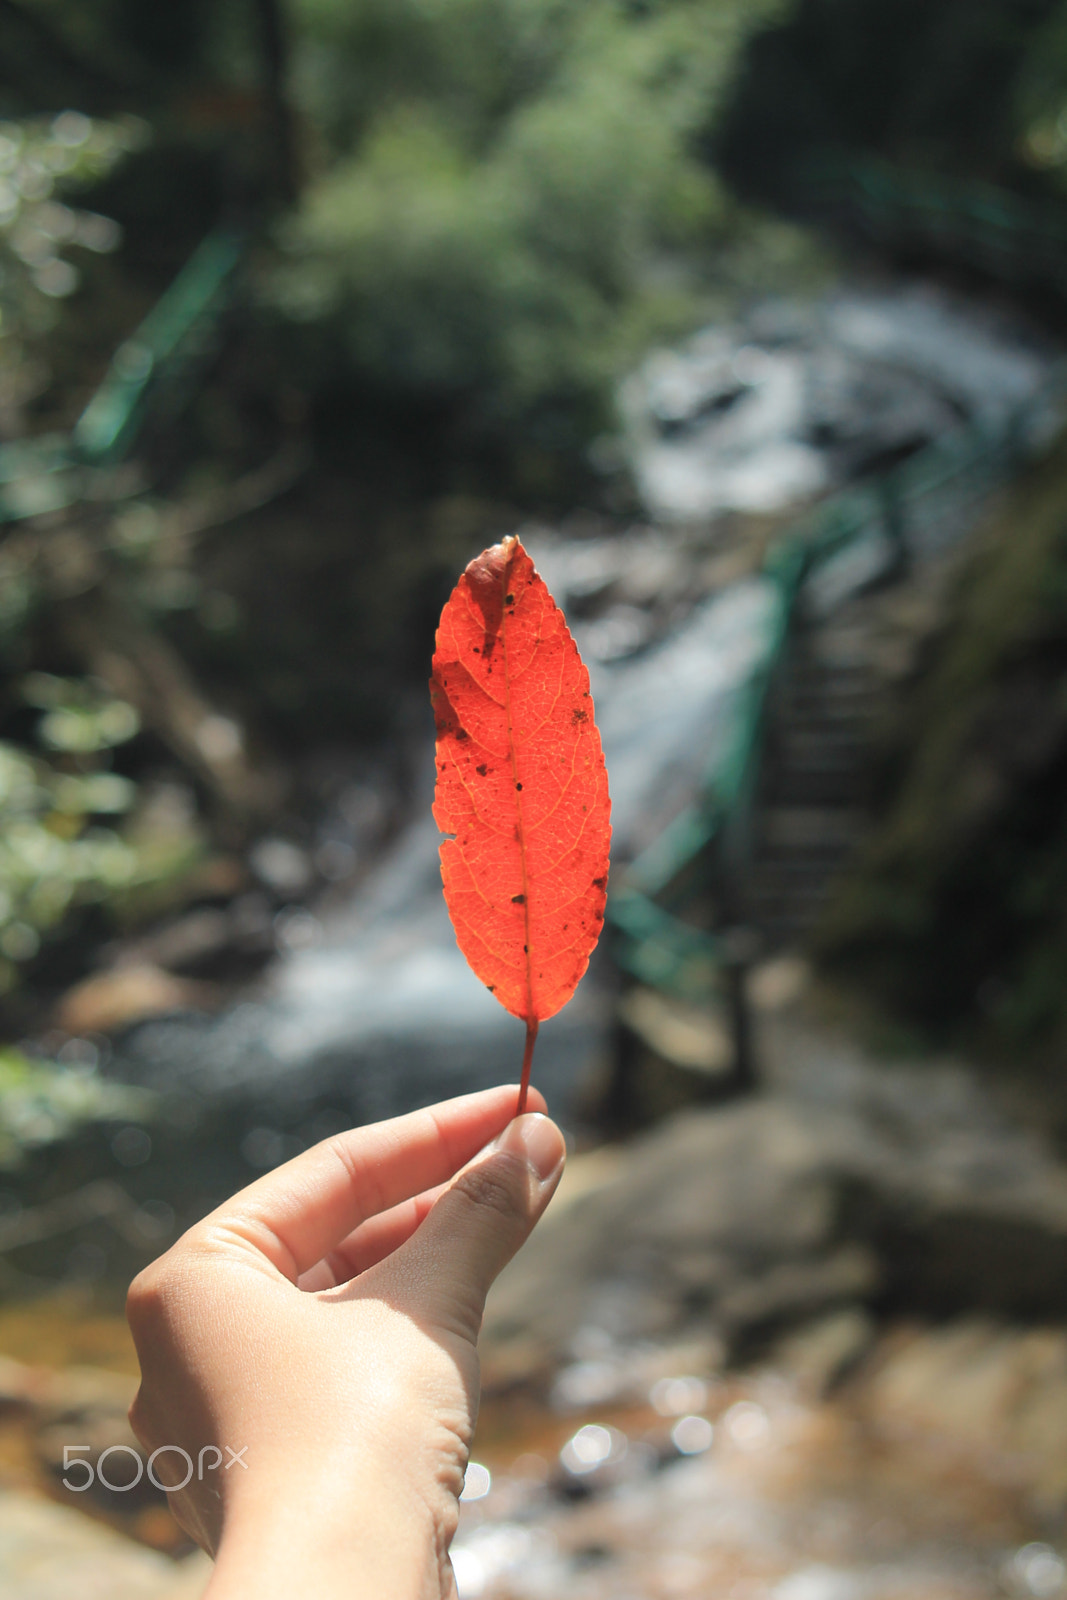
(784, 924)
(793, 877)
(803, 764)
(832, 736)
(828, 687)
(827, 714)
(793, 825)
(857, 699)
(783, 930)
(829, 707)
(797, 865)
(762, 908)
(820, 788)
(841, 675)
(774, 877)
(771, 903)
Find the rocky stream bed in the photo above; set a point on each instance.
(810, 1345)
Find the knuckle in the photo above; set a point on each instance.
(144, 1295)
(494, 1186)
(139, 1421)
(156, 1288)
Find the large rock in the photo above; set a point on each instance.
(991, 1393)
(845, 1185)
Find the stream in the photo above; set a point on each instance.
(748, 1487)
(372, 1009)
(783, 1438)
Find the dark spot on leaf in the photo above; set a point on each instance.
(578, 715)
(486, 576)
(482, 770)
(491, 987)
(518, 786)
(526, 949)
(509, 599)
(445, 718)
(598, 883)
(518, 899)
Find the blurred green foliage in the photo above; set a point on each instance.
(41, 1103)
(506, 202)
(44, 164)
(503, 201)
(56, 854)
(1040, 98)
(499, 205)
(973, 88)
(37, 158)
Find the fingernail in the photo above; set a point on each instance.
(536, 1139)
(540, 1142)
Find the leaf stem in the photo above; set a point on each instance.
(527, 1063)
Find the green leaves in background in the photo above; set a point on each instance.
(41, 1102)
(510, 201)
(56, 853)
(42, 236)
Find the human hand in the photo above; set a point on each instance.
(323, 1324)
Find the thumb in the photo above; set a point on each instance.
(480, 1221)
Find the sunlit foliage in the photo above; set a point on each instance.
(41, 1103)
(45, 164)
(507, 200)
(59, 845)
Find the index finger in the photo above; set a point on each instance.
(296, 1214)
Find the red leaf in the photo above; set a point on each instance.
(521, 787)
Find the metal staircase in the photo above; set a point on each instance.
(750, 864)
(815, 782)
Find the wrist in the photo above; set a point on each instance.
(324, 1538)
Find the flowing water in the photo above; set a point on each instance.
(379, 1011)
(746, 1487)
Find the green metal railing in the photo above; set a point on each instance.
(709, 842)
(154, 367)
(169, 343)
(707, 846)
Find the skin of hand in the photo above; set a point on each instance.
(321, 1327)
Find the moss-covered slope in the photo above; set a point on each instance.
(956, 916)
